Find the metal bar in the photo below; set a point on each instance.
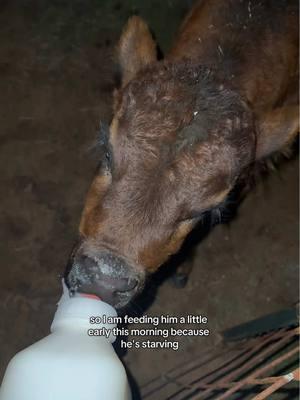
(192, 386)
(191, 365)
(171, 377)
(261, 342)
(148, 391)
(280, 382)
(226, 385)
(264, 353)
(256, 373)
(210, 381)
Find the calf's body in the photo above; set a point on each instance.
(184, 129)
(254, 47)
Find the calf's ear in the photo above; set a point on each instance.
(276, 130)
(136, 48)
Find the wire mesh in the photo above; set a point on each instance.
(249, 369)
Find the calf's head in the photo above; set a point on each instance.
(176, 145)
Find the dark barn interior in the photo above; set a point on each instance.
(57, 77)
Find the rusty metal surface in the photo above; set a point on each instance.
(252, 369)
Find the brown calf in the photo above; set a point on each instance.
(184, 129)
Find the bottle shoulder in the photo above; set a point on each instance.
(68, 347)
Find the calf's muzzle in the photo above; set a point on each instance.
(106, 275)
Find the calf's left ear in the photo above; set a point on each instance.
(136, 48)
(276, 130)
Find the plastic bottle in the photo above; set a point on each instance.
(69, 364)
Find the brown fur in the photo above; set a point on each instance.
(185, 128)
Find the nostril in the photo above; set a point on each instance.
(87, 262)
(132, 283)
(126, 285)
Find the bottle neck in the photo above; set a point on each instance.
(81, 314)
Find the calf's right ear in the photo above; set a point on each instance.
(136, 48)
(277, 129)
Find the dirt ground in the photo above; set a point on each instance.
(57, 75)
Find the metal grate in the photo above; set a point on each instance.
(249, 369)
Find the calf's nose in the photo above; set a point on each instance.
(107, 276)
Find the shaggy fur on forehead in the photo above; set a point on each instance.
(169, 108)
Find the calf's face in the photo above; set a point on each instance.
(175, 147)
